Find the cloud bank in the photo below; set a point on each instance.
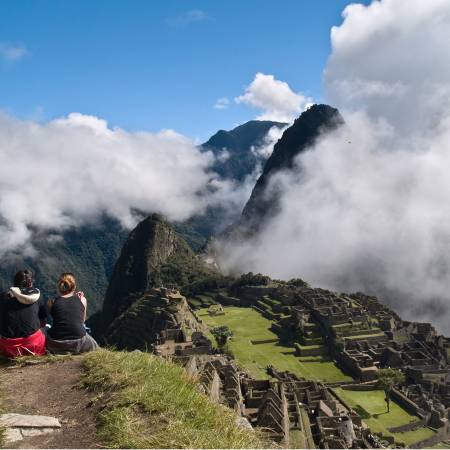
(367, 207)
(275, 98)
(390, 60)
(74, 169)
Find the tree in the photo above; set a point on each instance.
(387, 379)
(221, 335)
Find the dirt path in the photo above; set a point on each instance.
(51, 389)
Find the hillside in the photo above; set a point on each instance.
(154, 255)
(294, 344)
(115, 400)
(90, 252)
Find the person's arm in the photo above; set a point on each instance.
(83, 300)
(43, 312)
(50, 304)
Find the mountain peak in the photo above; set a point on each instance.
(297, 138)
(154, 255)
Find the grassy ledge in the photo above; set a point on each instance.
(151, 403)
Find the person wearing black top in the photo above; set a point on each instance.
(68, 311)
(22, 313)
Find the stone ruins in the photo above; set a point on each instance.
(357, 331)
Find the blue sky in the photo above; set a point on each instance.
(157, 64)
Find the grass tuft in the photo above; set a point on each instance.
(151, 403)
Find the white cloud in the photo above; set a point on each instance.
(188, 18)
(222, 103)
(362, 214)
(10, 52)
(270, 139)
(73, 169)
(275, 98)
(389, 59)
(367, 208)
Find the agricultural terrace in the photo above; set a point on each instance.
(370, 405)
(249, 328)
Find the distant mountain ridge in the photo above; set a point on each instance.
(239, 143)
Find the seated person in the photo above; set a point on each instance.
(22, 313)
(68, 334)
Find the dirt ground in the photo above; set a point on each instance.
(51, 389)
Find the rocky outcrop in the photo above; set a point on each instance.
(150, 318)
(154, 255)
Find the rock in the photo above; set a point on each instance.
(12, 435)
(28, 421)
(243, 423)
(28, 432)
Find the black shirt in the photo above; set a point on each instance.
(68, 319)
(20, 320)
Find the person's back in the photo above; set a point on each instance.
(22, 312)
(68, 311)
(68, 318)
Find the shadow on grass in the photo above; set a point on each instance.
(379, 414)
(362, 412)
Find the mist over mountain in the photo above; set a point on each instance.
(239, 151)
(299, 137)
(91, 250)
(364, 207)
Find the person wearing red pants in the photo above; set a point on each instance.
(22, 313)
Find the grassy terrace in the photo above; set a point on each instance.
(247, 326)
(442, 445)
(151, 403)
(372, 408)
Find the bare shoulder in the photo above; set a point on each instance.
(83, 301)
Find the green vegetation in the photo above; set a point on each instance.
(387, 379)
(151, 403)
(250, 326)
(253, 279)
(442, 445)
(221, 335)
(90, 252)
(372, 408)
(409, 438)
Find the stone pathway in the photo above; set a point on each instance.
(47, 407)
(20, 426)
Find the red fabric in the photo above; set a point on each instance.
(24, 346)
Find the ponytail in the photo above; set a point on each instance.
(66, 283)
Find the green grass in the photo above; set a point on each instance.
(441, 445)
(248, 325)
(151, 403)
(411, 437)
(372, 408)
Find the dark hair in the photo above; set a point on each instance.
(66, 283)
(23, 279)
